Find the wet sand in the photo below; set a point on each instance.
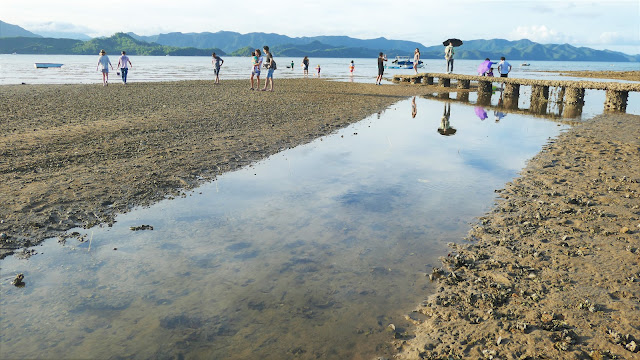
(554, 271)
(617, 75)
(78, 155)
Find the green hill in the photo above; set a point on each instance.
(112, 45)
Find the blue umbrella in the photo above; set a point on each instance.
(485, 66)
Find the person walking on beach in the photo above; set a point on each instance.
(292, 64)
(123, 65)
(504, 67)
(416, 60)
(305, 65)
(448, 55)
(270, 64)
(256, 64)
(352, 67)
(381, 59)
(217, 62)
(103, 64)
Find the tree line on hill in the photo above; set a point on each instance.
(14, 39)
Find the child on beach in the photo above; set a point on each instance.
(352, 66)
(318, 69)
(256, 64)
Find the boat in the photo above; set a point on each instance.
(403, 62)
(524, 64)
(47, 65)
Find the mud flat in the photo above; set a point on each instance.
(77, 155)
(619, 75)
(554, 271)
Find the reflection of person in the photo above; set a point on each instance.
(256, 64)
(104, 63)
(305, 65)
(352, 67)
(270, 64)
(123, 66)
(445, 127)
(448, 55)
(414, 108)
(504, 67)
(416, 60)
(499, 115)
(216, 61)
(381, 59)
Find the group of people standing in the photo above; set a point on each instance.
(104, 63)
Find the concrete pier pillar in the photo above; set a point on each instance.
(572, 111)
(462, 96)
(538, 106)
(539, 92)
(616, 100)
(484, 87)
(560, 94)
(463, 84)
(444, 82)
(443, 95)
(511, 90)
(429, 80)
(416, 79)
(574, 96)
(484, 99)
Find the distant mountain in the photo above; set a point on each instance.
(9, 30)
(112, 45)
(64, 35)
(526, 50)
(230, 41)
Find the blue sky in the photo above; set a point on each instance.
(600, 24)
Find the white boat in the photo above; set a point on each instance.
(524, 64)
(403, 62)
(47, 65)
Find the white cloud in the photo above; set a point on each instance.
(540, 34)
(57, 26)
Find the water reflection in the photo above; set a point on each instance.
(445, 125)
(309, 254)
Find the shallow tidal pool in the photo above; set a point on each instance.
(309, 254)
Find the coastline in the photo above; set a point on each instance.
(553, 271)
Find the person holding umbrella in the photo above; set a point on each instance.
(448, 55)
(448, 52)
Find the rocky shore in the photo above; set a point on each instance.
(554, 271)
(78, 155)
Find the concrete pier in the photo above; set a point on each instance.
(574, 95)
(484, 87)
(616, 100)
(444, 82)
(539, 92)
(463, 84)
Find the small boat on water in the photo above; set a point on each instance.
(403, 62)
(47, 65)
(524, 64)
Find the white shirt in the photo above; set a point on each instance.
(124, 61)
(104, 62)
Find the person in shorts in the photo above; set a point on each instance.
(381, 59)
(216, 61)
(270, 64)
(504, 67)
(256, 64)
(103, 64)
(305, 66)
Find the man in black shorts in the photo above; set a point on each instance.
(504, 67)
(381, 59)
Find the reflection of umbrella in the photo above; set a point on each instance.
(485, 66)
(480, 112)
(454, 42)
(447, 132)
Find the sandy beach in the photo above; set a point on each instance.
(552, 272)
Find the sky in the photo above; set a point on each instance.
(599, 24)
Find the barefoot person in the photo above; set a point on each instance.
(103, 64)
(256, 64)
(381, 59)
(217, 62)
(305, 66)
(416, 60)
(270, 64)
(123, 65)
